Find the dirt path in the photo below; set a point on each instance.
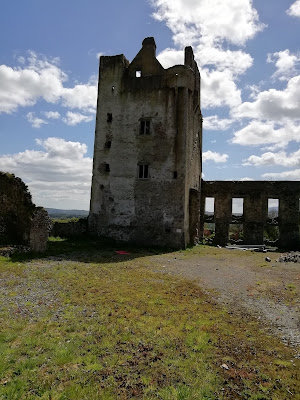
(245, 282)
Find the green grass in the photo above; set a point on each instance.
(87, 323)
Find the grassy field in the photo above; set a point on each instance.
(85, 322)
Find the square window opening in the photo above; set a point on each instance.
(273, 208)
(237, 207)
(209, 206)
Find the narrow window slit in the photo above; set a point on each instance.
(143, 171)
(145, 127)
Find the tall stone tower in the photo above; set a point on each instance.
(148, 150)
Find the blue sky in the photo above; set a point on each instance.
(247, 51)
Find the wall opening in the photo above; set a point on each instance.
(209, 206)
(236, 233)
(108, 144)
(175, 175)
(237, 206)
(145, 127)
(138, 74)
(109, 117)
(143, 171)
(273, 208)
(271, 234)
(106, 167)
(209, 230)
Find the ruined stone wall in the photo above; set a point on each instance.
(20, 221)
(154, 210)
(255, 216)
(70, 228)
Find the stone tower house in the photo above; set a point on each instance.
(148, 150)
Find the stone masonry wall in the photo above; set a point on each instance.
(71, 228)
(255, 216)
(21, 222)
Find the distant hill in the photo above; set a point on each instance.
(62, 214)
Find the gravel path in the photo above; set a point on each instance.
(267, 290)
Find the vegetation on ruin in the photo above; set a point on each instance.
(85, 322)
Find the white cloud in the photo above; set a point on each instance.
(208, 25)
(58, 176)
(213, 122)
(285, 63)
(73, 119)
(42, 78)
(286, 175)
(233, 20)
(273, 104)
(219, 89)
(52, 114)
(280, 158)
(213, 156)
(237, 62)
(294, 9)
(266, 132)
(83, 97)
(170, 57)
(35, 121)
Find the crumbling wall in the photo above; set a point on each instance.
(21, 222)
(255, 216)
(70, 228)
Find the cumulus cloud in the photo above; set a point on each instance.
(82, 96)
(57, 175)
(286, 175)
(213, 156)
(273, 104)
(285, 62)
(35, 121)
(73, 119)
(294, 9)
(213, 122)
(233, 20)
(219, 89)
(270, 159)
(41, 78)
(208, 25)
(266, 132)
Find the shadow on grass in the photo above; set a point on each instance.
(90, 249)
